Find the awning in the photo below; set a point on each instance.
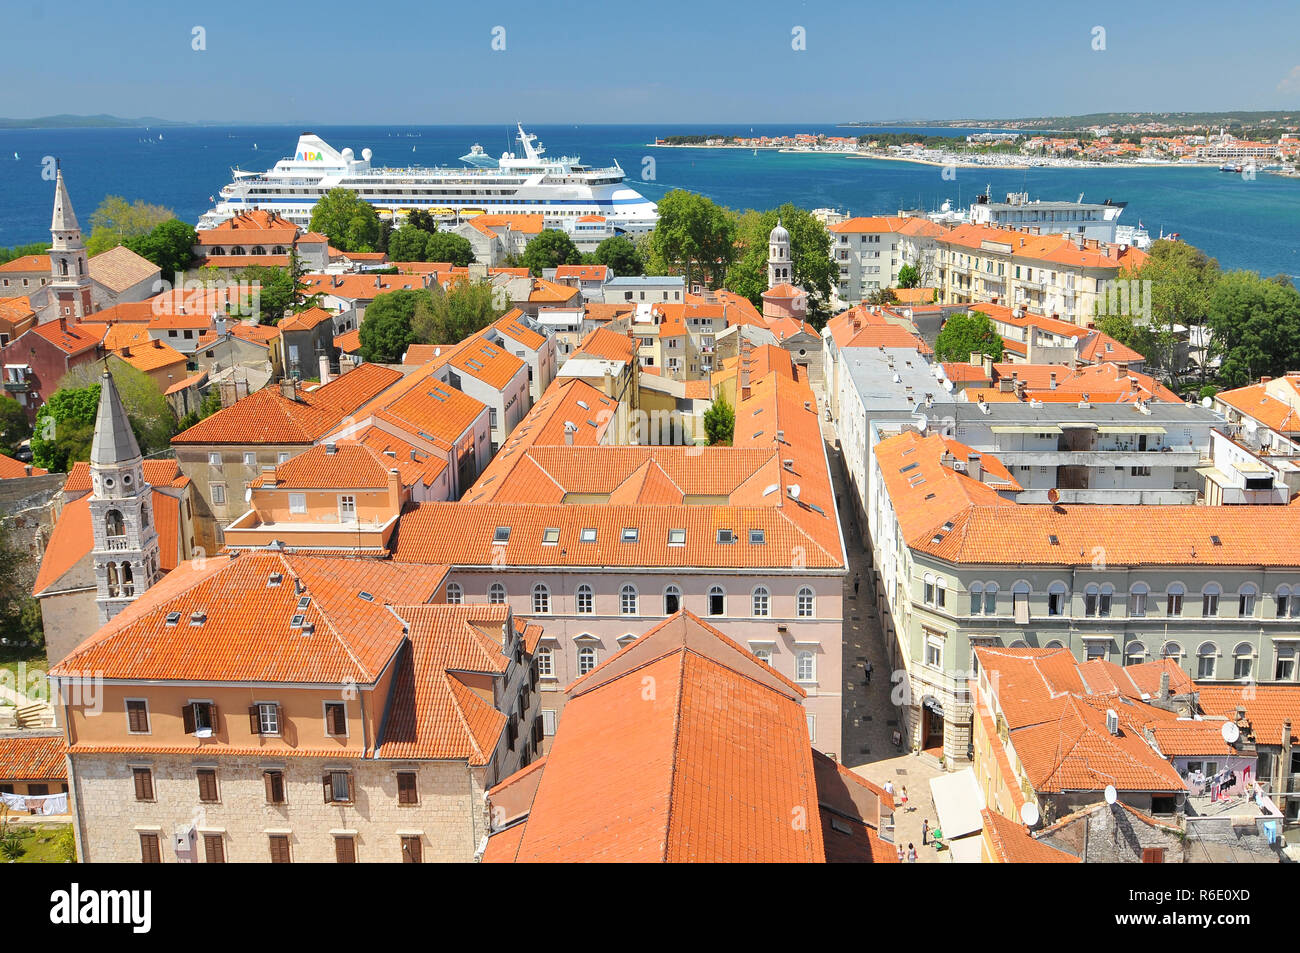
(1215, 475)
(1022, 428)
(968, 850)
(958, 802)
(1130, 428)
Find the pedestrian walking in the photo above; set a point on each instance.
(889, 788)
(857, 581)
(901, 856)
(902, 798)
(925, 830)
(911, 853)
(868, 668)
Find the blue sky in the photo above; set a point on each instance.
(644, 60)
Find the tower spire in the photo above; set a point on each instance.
(69, 266)
(65, 219)
(114, 444)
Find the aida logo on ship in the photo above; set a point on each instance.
(306, 155)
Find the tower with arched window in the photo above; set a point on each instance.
(121, 509)
(69, 266)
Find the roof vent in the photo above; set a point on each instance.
(1112, 721)
(274, 579)
(173, 618)
(793, 490)
(198, 618)
(368, 597)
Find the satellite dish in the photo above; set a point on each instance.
(1053, 495)
(947, 385)
(921, 422)
(1230, 732)
(1111, 794)
(1029, 813)
(1206, 401)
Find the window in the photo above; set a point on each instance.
(1288, 603)
(455, 594)
(541, 599)
(279, 848)
(411, 850)
(991, 598)
(806, 603)
(587, 536)
(929, 589)
(1137, 601)
(1056, 599)
(763, 655)
(137, 717)
(496, 594)
(1284, 671)
(1174, 599)
(976, 598)
(336, 719)
(143, 778)
(1020, 599)
(1246, 601)
(338, 787)
(1135, 653)
(672, 600)
(273, 781)
(805, 666)
(1171, 650)
(1205, 657)
(199, 718)
(219, 494)
(761, 603)
(298, 503)
(1210, 600)
(717, 601)
(627, 599)
(1153, 855)
(149, 850)
(282, 457)
(546, 662)
(586, 600)
(1104, 598)
(345, 849)
(501, 534)
(677, 537)
(933, 651)
(207, 784)
(586, 659)
(630, 534)
(1096, 649)
(250, 459)
(347, 508)
(264, 718)
(407, 793)
(214, 459)
(1090, 594)
(214, 851)
(1243, 658)
(550, 536)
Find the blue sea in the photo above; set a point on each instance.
(1251, 224)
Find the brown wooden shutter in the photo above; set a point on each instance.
(149, 852)
(143, 784)
(207, 784)
(212, 716)
(1153, 855)
(329, 788)
(137, 719)
(274, 787)
(279, 849)
(254, 720)
(338, 719)
(345, 851)
(187, 715)
(214, 850)
(406, 791)
(411, 850)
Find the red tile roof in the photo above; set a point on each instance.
(11, 469)
(33, 758)
(1268, 708)
(1012, 843)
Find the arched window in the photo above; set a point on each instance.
(806, 603)
(805, 666)
(1091, 593)
(976, 598)
(1137, 600)
(455, 594)
(1288, 602)
(128, 581)
(545, 662)
(1174, 599)
(114, 587)
(761, 603)
(1019, 644)
(1134, 653)
(64, 264)
(929, 589)
(1104, 599)
(717, 601)
(672, 600)
(1210, 600)
(496, 594)
(586, 600)
(1020, 593)
(1056, 598)
(763, 655)
(1206, 656)
(1171, 650)
(991, 598)
(541, 600)
(1056, 644)
(1246, 597)
(940, 590)
(113, 523)
(627, 600)
(1243, 660)
(586, 659)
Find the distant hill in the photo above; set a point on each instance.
(1281, 118)
(66, 121)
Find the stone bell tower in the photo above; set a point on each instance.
(69, 267)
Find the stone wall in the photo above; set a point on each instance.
(1115, 836)
(449, 816)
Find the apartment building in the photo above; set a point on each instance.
(267, 707)
(260, 238)
(1266, 415)
(1029, 338)
(870, 250)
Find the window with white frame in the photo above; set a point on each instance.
(976, 598)
(1095, 649)
(214, 459)
(1246, 597)
(717, 601)
(627, 600)
(1174, 599)
(455, 594)
(991, 598)
(1288, 602)
(940, 592)
(586, 600)
(672, 600)
(1171, 650)
(1104, 598)
(1056, 598)
(250, 459)
(545, 662)
(1020, 602)
(496, 594)
(1284, 668)
(806, 603)
(586, 659)
(928, 580)
(1135, 653)
(298, 503)
(219, 494)
(805, 666)
(541, 599)
(1243, 660)
(1091, 595)
(761, 603)
(1206, 657)
(764, 655)
(933, 651)
(1137, 600)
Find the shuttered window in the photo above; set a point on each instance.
(336, 718)
(143, 784)
(411, 851)
(264, 718)
(279, 848)
(274, 786)
(199, 716)
(345, 850)
(214, 851)
(207, 784)
(338, 787)
(149, 852)
(406, 790)
(137, 717)
(1153, 855)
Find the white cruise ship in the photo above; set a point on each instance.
(561, 189)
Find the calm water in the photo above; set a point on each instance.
(1245, 224)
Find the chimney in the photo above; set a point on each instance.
(324, 369)
(63, 324)
(976, 358)
(331, 449)
(1164, 687)
(1052, 380)
(288, 389)
(126, 351)
(988, 366)
(157, 344)
(974, 468)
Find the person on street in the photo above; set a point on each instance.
(868, 668)
(925, 830)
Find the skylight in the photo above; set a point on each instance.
(501, 535)
(550, 536)
(677, 537)
(726, 536)
(630, 534)
(173, 618)
(588, 535)
(757, 537)
(368, 597)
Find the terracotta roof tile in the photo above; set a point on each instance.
(33, 758)
(1012, 843)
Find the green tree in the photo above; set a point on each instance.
(720, 422)
(909, 277)
(448, 317)
(14, 426)
(117, 220)
(152, 418)
(810, 253)
(694, 238)
(350, 223)
(1254, 324)
(1140, 337)
(621, 255)
(549, 250)
(444, 246)
(208, 406)
(408, 243)
(281, 291)
(65, 427)
(386, 330)
(170, 246)
(18, 251)
(966, 334)
(20, 614)
(1181, 278)
(419, 218)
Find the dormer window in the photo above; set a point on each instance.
(726, 536)
(630, 534)
(501, 535)
(588, 536)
